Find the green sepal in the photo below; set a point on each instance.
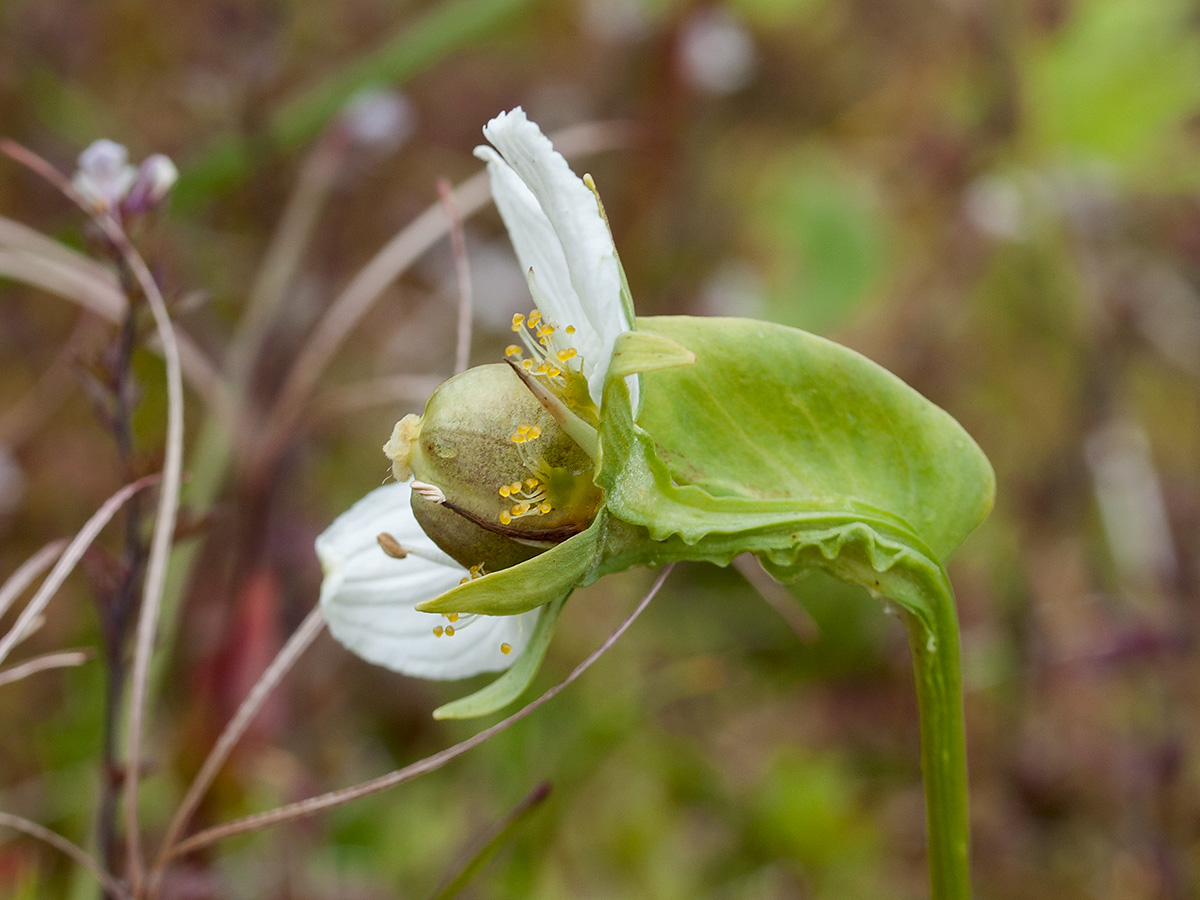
(509, 686)
(525, 586)
(641, 351)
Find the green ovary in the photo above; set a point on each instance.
(514, 482)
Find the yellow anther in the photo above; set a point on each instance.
(512, 350)
(543, 368)
(535, 316)
(464, 579)
(544, 508)
(521, 508)
(506, 648)
(553, 372)
(504, 491)
(518, 438)
(518, 321)
(505, 518)
(515, 487)
(527, 364)
(453, 617)
(449, 631)
(563, 355)
(437, 630)
(531, 483)
(570, 329)
(524, 429)
(535, 431)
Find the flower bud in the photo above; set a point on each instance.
(155, 178)
(512, 479)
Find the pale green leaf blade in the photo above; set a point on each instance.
(505, 689)
(527, 585)
(771, 419)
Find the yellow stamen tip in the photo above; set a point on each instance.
(505, 518)
(544, 508)
(453, 617)
(506, 648)
(570, 329)
(504, 491)
(527, 364)
(512, 350)
(531, 482)
(449, 631)
(437, 630)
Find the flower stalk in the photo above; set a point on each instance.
(936, 671)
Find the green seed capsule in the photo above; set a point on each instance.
(507, 470)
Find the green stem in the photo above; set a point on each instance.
(933, 640)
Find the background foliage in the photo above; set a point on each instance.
(998, 201)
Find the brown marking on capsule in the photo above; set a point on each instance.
(525, 535)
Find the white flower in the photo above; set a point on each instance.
(104, 175)
(558, 232)
(379, 119)
(562, 240)
(367, 596)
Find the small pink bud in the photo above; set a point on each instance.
(155, 178)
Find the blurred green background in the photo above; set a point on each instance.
(998, 201)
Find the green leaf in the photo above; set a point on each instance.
(505, 689)
(776, 428)
(812, 457)
(1120, 80)
(528, 585)
(422, 43)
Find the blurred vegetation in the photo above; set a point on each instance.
(998, 201)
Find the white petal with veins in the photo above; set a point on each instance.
(368, 597)
(556, 228)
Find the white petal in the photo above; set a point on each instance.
(557, 230)
(368, 598)
(104, 175)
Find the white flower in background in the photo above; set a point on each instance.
(106, 179)
(716, 52)
(382, 120)
(104, 175)
(562, 241)
(367, 596)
